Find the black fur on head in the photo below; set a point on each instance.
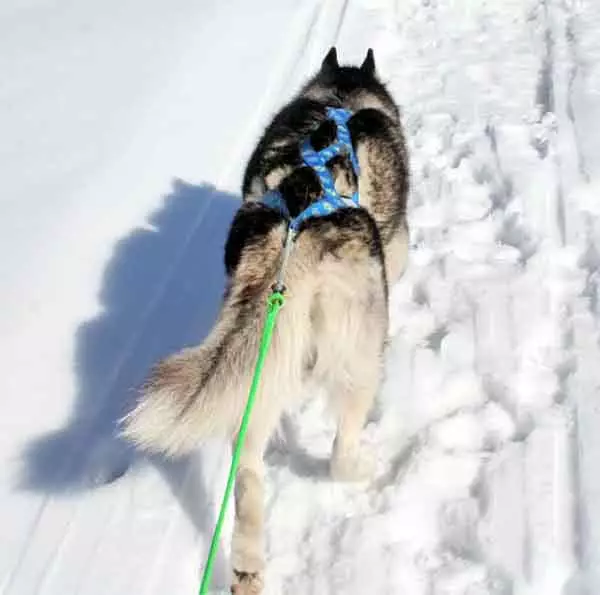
(368, 66)
(330, 62)
(341, 81)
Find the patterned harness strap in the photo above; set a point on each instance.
(330, 200)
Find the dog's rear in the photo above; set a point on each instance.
(331, 330)
(335, 281)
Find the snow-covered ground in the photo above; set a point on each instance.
(124, 129)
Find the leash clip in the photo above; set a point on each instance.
(279, 285)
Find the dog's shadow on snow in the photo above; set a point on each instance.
(161, 291)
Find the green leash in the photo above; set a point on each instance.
(274, 304)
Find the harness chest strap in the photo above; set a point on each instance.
(330, 200)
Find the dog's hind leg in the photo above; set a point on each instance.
(355, 393)
(247, 547)
(248, 540)
(396, 255)
(350, 364)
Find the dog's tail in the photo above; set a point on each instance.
(201, 391)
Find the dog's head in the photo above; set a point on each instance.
(348, 78)
(358, 85)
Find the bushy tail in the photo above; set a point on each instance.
(201, 391)
(186, 398)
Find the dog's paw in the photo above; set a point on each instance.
(353, 468)
(247, 583)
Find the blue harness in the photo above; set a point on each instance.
(330, 200)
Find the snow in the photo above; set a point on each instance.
(125, 129)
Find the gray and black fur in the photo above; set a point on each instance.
(333, 328)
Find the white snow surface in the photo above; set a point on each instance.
(124, 130)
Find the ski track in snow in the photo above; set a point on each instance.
(486, 430)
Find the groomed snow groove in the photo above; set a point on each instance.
(128, 126)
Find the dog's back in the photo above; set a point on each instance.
(377, 136)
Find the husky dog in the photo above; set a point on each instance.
(333, 327)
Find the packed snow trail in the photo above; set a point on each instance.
(125, 132)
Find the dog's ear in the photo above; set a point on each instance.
(330, 62)
(368, 66)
